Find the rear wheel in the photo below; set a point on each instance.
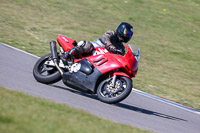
(44, 73)
(109, 94)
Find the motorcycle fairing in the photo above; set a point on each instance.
(85, 79)
(66, 42)
(106, 61)
(132, 66)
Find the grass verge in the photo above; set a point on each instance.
(27, 114)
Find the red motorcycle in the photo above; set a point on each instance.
(103, 73)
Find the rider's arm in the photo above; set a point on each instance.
(105, 39)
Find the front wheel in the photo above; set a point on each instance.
(109, 94)
(44, 73)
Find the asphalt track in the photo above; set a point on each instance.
(139, 109)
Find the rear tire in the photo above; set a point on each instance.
(112, 95)
(45, 74)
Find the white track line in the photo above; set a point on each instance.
(19, 50)
(133, 90)
(166, 101)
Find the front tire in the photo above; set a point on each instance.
(45, 74)
(108, 94)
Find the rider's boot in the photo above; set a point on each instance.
(68, 56)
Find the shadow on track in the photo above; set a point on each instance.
(76, 92)
(123, 105)
(137, 109)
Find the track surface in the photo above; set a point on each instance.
(137, 110)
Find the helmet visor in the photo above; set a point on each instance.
(127, 34)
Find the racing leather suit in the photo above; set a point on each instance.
(109, 40)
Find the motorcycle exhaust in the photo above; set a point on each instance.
(53, 50)
(55, 56)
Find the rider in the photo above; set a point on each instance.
(111, 40)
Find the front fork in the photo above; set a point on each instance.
(113, 80)
(114, 77)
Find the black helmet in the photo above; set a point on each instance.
(124, 31)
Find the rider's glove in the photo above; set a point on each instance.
(110, 47)
(113, 49)
(118, 51)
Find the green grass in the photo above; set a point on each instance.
(167, 31)
(27, 114)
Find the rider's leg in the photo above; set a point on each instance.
(83, 47)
